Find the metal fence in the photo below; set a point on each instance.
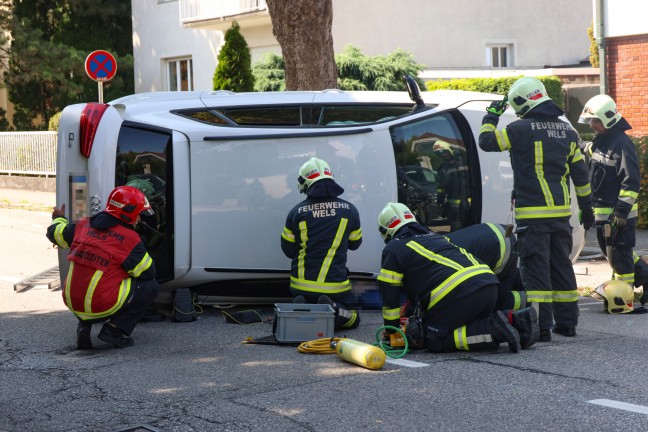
(28, 153)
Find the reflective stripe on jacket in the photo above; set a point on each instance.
(429, 268)
(614, 175)
(487, 242)
(98, 284)
(316, 236)
(544, 156)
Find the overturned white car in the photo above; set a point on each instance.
(220, 169)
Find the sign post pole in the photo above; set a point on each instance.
(100, 66)
(100, 91)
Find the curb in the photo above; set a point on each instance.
(26, 206)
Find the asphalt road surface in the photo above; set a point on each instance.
(198, 376)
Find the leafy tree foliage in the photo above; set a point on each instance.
(44, 66)
(234, 70)
(269, 73)
(382, 73)
(4, 123)
(593, 48)
(356, 71)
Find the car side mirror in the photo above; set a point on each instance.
(414, 92)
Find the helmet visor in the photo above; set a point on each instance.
(147, 210)
(585, 119)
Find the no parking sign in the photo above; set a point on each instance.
(101, 66)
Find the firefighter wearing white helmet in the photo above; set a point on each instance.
(600, 107)
(454, 292)
(615, 179)
(544, 157)
(526, 94)
(317, 234)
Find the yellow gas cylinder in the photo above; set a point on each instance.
(360, 353)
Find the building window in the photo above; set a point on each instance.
(499, 56)
(180, 74)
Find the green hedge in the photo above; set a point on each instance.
(642, 200)
(497, 85)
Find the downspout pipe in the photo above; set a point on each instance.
(599, 34)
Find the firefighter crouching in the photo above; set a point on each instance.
(317, 234)
(455, 293)
(111, 276)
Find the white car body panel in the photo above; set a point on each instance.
(234, 186)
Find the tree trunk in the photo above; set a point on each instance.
(303, 29)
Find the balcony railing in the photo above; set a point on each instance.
(206, 10)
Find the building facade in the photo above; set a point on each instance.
(176, 42)
(622, 32)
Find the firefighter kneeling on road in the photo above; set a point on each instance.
(111, 276)
(455, 292)
(317, 234)
(493, 244)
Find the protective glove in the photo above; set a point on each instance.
(619, 222)
(498, 107)
(58, 212)
(586, 217)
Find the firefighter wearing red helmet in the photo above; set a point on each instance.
(111, 278)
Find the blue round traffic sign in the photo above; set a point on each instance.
(101, 66)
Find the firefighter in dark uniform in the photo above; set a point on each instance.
(451, 188)
(455, 293)
(544, 156)
(316, 237)
(493, 245)
(111, 276)
(615, 180)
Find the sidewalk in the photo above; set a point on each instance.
(27, 200)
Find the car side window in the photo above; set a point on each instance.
(433, 176)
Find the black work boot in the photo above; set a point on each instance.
(565, 331)
(502, 331)
(545, 335)
(525, 322)
(114, 336)
(83, 336)
(300, 299)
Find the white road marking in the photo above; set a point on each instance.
(620, 405)
(406, 363)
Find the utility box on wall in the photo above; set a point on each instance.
(576, 96)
